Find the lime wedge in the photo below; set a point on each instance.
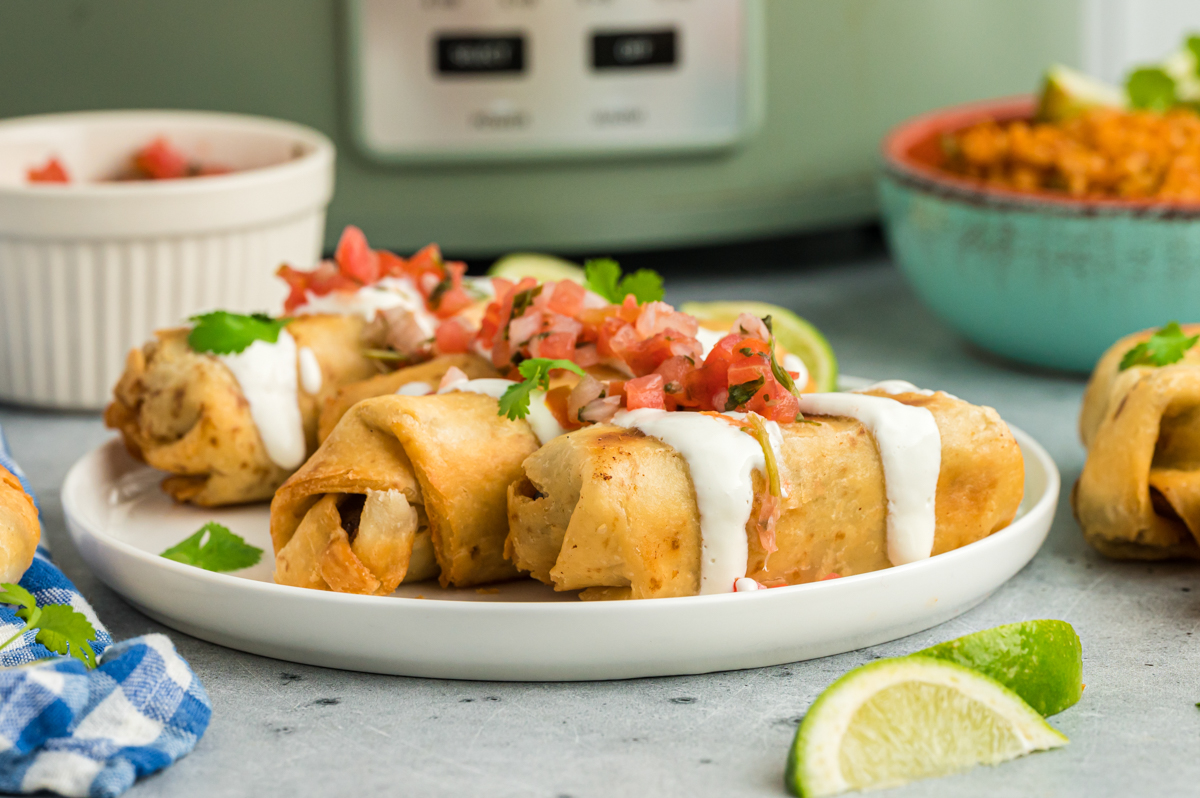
(543, 268)
(899, 720)
(1067, 93)
(1041, 661)
(791, 332)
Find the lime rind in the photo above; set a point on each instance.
(831, 738)
(1041, 660)
(795, 334)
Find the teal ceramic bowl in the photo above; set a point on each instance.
(1040, 279)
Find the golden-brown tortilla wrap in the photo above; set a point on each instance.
(431, 468)
(614, 511)
(20, 530)
(184, 412)
(430, 373)
(1139, 494)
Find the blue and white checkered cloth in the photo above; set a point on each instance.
(81, 732)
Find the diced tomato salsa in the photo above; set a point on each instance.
(355, 265)
(52, 172)
(653, 343)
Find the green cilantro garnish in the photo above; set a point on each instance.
(742, 393)
(781, 374)
(1151, 88)
(523, 300)
(435, 296)
(1193, 44)
(60, 628)
(536, 371)
(1162, 349)
(223, 333)
(214, 548)
(603, 276)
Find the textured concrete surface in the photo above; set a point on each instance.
(285, 729)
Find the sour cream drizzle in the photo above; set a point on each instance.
(368, 301)
(267, 375)
(910, 447)
(545, 425)
(722, 460)
(893, 387)
(415, 389)
(310, 371)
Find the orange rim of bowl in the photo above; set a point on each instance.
(910, 151)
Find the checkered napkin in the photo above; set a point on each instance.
(80, 732)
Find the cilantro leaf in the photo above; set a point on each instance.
(214, 548)
(603, 276)
(1165, 347)
(60, 628)
(65, 631)
(742, 393)
(1193, 45)
(1151, 88)
(515, 402)
(15, 594)
(223, 333)
(780, 373)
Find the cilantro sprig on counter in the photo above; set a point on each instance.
(1165, 347)
(214, 548)
(224, 333)
(515, 402)
(60, 628)
(603, 276)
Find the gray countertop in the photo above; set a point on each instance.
(280, 728)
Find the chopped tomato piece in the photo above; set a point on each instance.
(161, 161)
(567, 298)
(52, 172)
(555, 346)
(645, 391)
(452, 337)
(355, 256)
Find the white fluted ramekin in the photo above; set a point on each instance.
(90, 269)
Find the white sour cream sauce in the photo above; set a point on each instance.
(545, 425)
(368, 301)
(310, 371)
(910, 447)
(722, 460)
(894, 387)
(267, 375)
(414, 389)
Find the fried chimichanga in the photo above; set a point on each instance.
(427, 375)
(20, 530)
(189, 414)
(1139, 494)
(397, 476)
(615, 511)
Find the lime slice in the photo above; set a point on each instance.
(1067, 93)
(791, 332)
(543, 268)
(1041, 661)
(898, 720)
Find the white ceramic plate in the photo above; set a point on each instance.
(521, 631)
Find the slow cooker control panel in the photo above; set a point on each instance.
(478, 79)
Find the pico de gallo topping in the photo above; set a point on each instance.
(356, 266)
(652, 344)
(50, 172)
(158, 160)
